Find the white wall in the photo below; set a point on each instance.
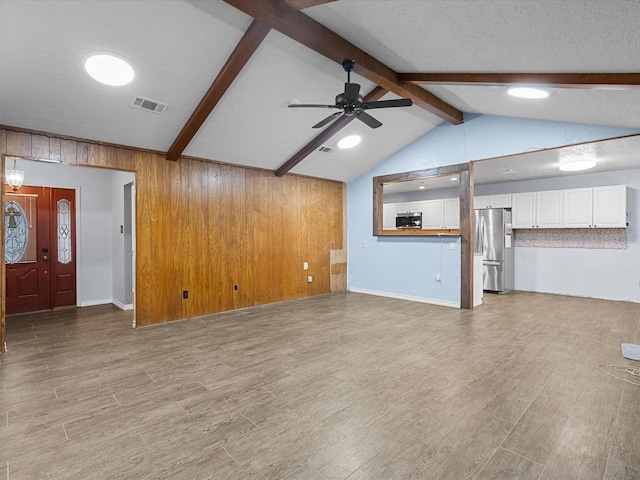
(95, 220)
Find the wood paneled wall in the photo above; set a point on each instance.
(205, 227)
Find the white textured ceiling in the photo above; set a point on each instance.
(178, 47)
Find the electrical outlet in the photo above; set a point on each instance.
(185, 294)
(309, 279)
(438, 277)
(452, 246)
(235, 287)
(364, 244)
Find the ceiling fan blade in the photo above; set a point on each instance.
(400, 102)
(310, 105)
(351, 91)
(327, 120)
(368, 119)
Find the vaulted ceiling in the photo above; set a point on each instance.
(228, 71)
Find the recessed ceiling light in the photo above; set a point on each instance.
(109, 69)
(349, 141)
(527, 92)
(421, 187)
(577, 165)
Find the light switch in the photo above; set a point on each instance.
(305, 266)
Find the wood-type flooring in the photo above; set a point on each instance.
(341, 386)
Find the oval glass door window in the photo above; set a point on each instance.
(64, 231)
(16, 232)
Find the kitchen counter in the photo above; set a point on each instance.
(417, 232)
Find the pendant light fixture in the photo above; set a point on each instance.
(15, 177)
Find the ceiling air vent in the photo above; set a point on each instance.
(147, 104)
(325, 149)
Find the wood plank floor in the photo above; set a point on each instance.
(330, 387)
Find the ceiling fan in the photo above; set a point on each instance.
(351, 104)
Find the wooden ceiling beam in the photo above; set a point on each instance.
(554, 80)
(248, 44)
(319, 38)
(333, 128)
(300, 4)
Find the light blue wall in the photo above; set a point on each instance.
(408, 266)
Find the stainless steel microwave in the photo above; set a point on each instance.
(409, 220)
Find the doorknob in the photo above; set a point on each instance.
(45, 258)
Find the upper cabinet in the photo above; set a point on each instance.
(432, 214)
(610, 206)
(441, 214)
(452, 213)
(389, 216)
(578, 208)
(597, 207)
(408, 207)
(537, 209)
(523, 211)
(492, 201)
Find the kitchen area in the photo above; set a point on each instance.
(526, 226)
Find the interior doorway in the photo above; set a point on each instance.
(40, 249)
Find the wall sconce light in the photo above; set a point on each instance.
(15, 177)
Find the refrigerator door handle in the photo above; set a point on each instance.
(493, 264)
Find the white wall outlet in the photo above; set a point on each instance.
(452, 246)
(364, 244)
(438, 277)
(305, 266)
(309, 279)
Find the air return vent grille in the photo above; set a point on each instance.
(325, 149)
(149, 105)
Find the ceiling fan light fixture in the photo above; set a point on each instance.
(109, 69)
(349, 141)
(577, 165)
(527, 92)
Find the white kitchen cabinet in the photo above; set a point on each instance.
(597, 207)
(523, 210)
(492, 201)
(610, 206)
(549, 210)
(432, 214)
(578, 208)
(441, 214)
(408, 207)
(537, 209)
(389, 216)
(452, 213)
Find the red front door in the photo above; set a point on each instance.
(39, 249)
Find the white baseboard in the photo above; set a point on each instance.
(91, 303)
(105, 301)
(122, 306)
(398, 296)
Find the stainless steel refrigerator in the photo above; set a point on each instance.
(493, 239)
